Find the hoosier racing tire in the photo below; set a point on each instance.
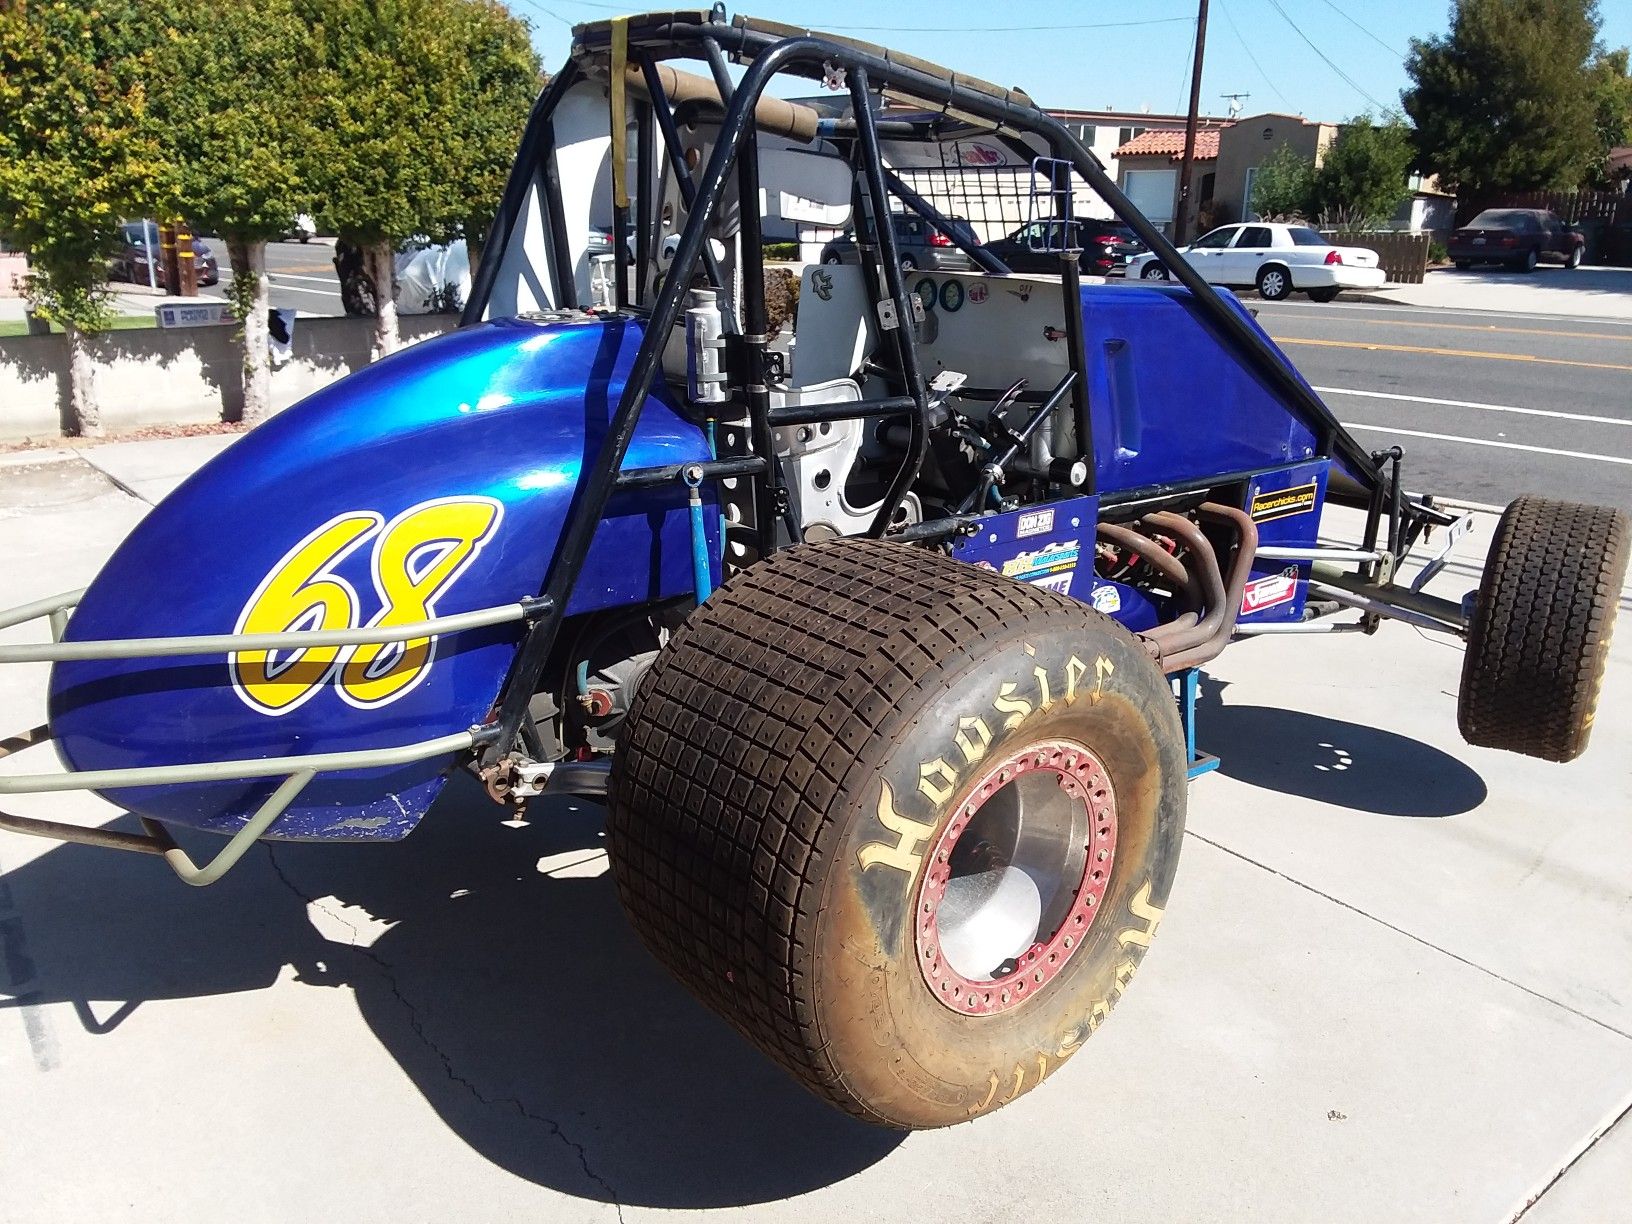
(908, 825)
(1539, 635)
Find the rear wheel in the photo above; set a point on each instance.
(1324, 295)
(908, 825)
(1539, 634)
(1528, 261)
(1274, 283)
(908, 264)
(831, 259)
(1153, 271)
(1462, 265)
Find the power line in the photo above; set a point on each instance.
(1391, 50)
(1234, 29)
(539, 8)
(1189, 57)
(1326, 59)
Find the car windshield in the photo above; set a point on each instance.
(1500, 218)
(1302, 235)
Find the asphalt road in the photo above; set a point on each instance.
(302, 275)
(1486, 406)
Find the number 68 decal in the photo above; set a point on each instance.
(416, 557)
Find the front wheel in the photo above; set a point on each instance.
(1462, 265)
(831, 260)
(1274, 283)
(1538, 638)
(908, 264)
(1573, 259)
(908, 825)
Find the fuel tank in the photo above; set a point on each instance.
(434, 482)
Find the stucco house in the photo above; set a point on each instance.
(1148, 173)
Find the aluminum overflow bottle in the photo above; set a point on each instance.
(705, 349)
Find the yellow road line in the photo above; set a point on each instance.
(1443, 352)
(1623, 337)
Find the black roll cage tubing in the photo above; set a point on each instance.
(767, 55)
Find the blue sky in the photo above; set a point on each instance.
(1251, 47)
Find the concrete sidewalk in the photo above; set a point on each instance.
(1589, 293)
(1394, 984)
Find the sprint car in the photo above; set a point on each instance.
(867, 599)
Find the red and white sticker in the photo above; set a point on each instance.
(1270, 592)
(977, 293)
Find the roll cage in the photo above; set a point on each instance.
(632, 54)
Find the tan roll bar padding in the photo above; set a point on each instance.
(777, 29)
(775, 115)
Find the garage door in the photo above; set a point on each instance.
(1152, 192)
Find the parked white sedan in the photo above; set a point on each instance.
(1274, 258)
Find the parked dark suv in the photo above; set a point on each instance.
(1518, 237)
(1106, 246)
(919, 244)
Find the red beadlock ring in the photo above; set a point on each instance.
(1085, 813)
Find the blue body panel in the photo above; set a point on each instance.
(501, 416)
(1169, 400)
(1053, 546)
(1286, 506)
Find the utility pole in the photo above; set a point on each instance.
(1181, 223)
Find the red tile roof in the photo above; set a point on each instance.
(1156, 143)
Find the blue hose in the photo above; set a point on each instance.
(701, 571)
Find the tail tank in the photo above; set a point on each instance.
(434, 482)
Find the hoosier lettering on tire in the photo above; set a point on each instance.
(907, 824)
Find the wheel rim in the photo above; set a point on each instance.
(1155, 272)
(1016, 878)
(1272, 285)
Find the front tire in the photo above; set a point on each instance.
(908, 825)
(1539, 635)
(1274, 283)
(1574, 258)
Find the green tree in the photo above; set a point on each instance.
(1502, 102)
(1363, 177)
(75, 157)
(230, 102)
(1283, 185)
(1612, 108)
(422, 103)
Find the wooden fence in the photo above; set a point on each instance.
(1572, 207)
(1403, 256)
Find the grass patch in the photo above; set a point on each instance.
(19, 327)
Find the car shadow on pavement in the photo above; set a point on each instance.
(519, 1004)
(1345, 764)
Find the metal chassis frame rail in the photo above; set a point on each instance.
(296, 771)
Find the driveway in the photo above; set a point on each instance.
(1394, 983)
